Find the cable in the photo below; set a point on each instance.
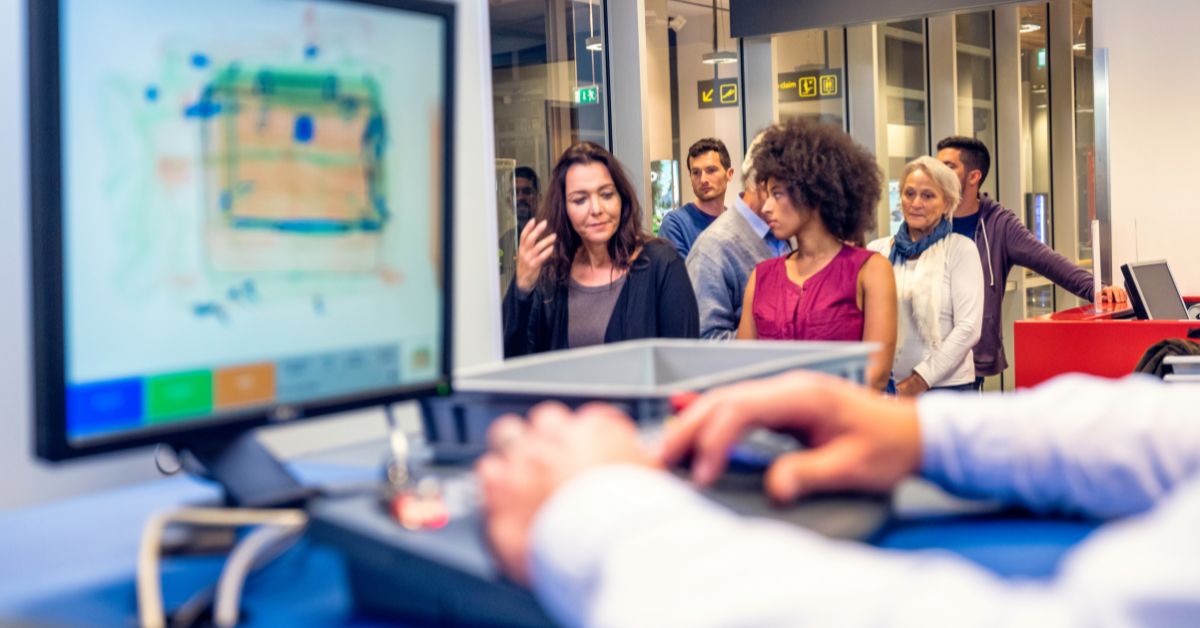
(158, 464)
(149, 582)
(149, 587)
(241, 561)
(189, 613)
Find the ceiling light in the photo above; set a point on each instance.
(1030, 27)
(594, 43)
(719, 56)
(1080, 46)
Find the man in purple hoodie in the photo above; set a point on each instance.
(1003, 243)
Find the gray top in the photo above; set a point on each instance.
(719, 266)
(589, 309)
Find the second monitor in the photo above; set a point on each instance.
(1153, 292)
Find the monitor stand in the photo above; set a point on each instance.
(249, 474)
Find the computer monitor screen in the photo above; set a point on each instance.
(1153, 292)
(239, 211)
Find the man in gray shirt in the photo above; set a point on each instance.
(721, 259)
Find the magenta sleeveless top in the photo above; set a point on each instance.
(825, 308)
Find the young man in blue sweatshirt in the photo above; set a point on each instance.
(710, 170)
(1003, 243)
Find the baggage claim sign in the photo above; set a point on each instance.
(810, 85)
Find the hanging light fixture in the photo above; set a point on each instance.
(717, 55)
(594, 42)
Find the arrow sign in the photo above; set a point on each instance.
(717, 93)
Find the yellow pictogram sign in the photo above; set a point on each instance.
(829, 85)
(808, 86)
(729, 94)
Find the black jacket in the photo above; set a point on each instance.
(657, 301)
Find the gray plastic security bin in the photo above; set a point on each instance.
(1184, 364)
(638, 376)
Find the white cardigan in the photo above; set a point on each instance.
(946, 360)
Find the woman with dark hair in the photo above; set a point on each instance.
(822, 190)
(586, 272)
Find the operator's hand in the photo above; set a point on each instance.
(533, 249)
(529, 461)
(1113, 294)
(858, 439)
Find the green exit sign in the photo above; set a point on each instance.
(589, 95)
(1041, 57)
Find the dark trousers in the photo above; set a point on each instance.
(969, 386)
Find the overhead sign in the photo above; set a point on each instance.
(810, 85)
(589, 95)
(755, 18)
(717, 93)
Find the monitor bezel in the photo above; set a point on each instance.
(1136, 293)
(51, 439)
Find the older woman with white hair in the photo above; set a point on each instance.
(939, 284)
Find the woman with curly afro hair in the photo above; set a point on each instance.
(822, 189)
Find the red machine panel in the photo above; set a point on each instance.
(1087, 339)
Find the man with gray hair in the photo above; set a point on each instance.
(721, 259)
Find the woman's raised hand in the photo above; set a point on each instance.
(533, 249)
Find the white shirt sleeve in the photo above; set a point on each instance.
(1076, 444)
(966, 303)
(630, 546)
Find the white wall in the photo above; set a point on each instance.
(725, 123)
(1155, 132)
(24, 480)
(477, 338)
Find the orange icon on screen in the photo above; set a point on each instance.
(244, 385)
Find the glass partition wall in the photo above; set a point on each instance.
(904, 87)
(811, 77)
(988, 74)
(1085, 125)
(548, 92)
(1037, 207)
(1016, 77)
(976, 83)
